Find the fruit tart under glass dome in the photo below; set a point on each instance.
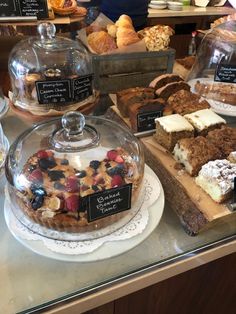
(75, 175)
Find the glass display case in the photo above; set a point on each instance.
(50, 73)
(31, 283)
(213, 75)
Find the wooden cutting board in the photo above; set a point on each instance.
(195, 209)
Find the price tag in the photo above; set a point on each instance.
(146, 120)
(56, 92)
(8, 8)
(64, 91)
(225, 73)
(37, 8)
(108, 202)
(82, 87)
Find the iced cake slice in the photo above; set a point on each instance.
(204, 121)
(216, 179)
(193, 153)
(170, 129)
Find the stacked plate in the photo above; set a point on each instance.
(175, 6)
(158, 4)
(162, 4)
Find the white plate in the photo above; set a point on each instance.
(173, 3)
(175, 7)
(157, 6)
(108, 249)
(217, 106)
(157, 2)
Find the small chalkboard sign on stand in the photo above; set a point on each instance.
(16, 8)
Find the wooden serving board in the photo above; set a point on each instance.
(195, 209)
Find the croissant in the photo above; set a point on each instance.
(112, 30)
(124, 21)
(64, 7)
(126, 36)
(94, 28)
(101, 42)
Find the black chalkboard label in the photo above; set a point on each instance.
(146, 120)
(82, 87)
(8, 8)
(53, 92)
(225, 73)
(108, 202)
(37, 8)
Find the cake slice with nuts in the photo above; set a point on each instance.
(193, 153)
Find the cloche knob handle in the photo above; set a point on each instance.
(46, 30)
(73, 123)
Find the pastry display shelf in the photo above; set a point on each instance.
(59, 20)
(33, 284)
(191, 11)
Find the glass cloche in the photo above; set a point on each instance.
(50, 73)
(213, 75)
(75, 177)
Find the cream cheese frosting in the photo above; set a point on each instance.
(174, 123)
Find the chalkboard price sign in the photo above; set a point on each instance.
(57, 92)
(37, 8)
(64, 91)
(82, 87)
(146, 120)
(226, 73)
(108, 202)
(8, 8)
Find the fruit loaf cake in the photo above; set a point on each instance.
(130, 96)
(171, 88)
(193, 153)
(164, 79)
(216, 179)
(223, 92)
(170, 129)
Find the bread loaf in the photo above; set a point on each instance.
(171, 88)
(130, 96)
(164, 79)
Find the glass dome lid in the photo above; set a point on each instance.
(50, 72)
(213, 75)
(75, 175)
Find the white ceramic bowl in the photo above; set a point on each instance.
(201, 3)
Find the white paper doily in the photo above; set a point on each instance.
(114, 244)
